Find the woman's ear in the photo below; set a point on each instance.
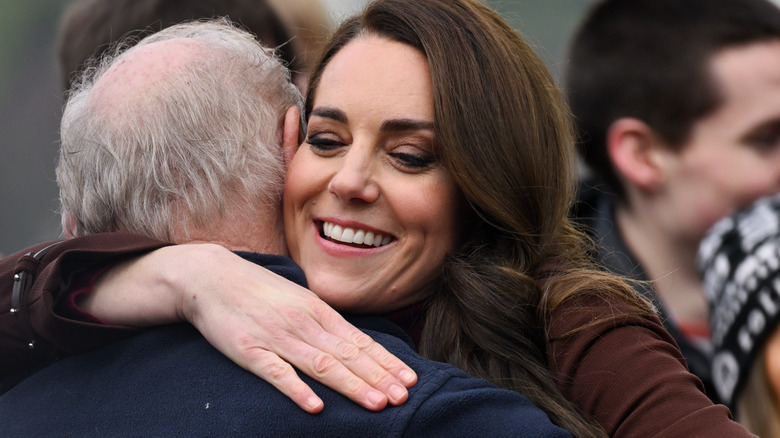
(290, 133)
(636, 153)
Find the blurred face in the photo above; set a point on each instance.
(733, 155)
(369, 212)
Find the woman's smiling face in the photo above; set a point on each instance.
(369, 212)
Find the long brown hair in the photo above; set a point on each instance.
(503, 131)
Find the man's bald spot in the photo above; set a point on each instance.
(139, 70)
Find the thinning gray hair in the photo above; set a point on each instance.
(181, 151)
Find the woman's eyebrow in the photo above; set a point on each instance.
(393, 125)
(330, 113)
(396, 125)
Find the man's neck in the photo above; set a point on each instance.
(668, 262)
(259, 233)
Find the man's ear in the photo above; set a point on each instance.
(68, 224)
(290, 131)
(636, 153)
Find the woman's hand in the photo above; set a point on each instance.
(261, 321)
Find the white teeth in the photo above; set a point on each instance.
(336, 232)
(350, 235)
(359, 237)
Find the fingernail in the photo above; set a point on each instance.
(407, 377)
(376, 398)
(313, 403)
(397, 393)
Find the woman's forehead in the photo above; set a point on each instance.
(377, 75)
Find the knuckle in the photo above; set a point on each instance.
(299, 391)
(246, 342)
(323, 363)
(269, 365)
(351, 386)
(347, 351)
(383, 357)
(361, 340)
(379, 377)
(296, 317)
(279, 370)
(319, 308)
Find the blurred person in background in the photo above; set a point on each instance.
(740, 264)
(311, 26)
(89, 27)
(678, 108)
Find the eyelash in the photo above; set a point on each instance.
(766, 140)
(413, 161)
(405, 160)
(323, 144)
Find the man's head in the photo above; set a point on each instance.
(652, 60)
(179, 138)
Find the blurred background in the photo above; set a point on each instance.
(31, 99)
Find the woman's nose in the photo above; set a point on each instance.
(355, 180)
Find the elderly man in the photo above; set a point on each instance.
(183, 138)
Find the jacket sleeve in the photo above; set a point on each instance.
(627, 373)
(31, 283)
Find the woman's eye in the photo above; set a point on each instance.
(413, 161)
(765, 143)
(766, 139)
(324, 143)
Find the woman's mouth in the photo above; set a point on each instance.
(353, 236)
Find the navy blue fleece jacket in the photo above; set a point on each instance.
(169, 381)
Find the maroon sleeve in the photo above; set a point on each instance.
(629, 375)
(82, 284)
(34, 280)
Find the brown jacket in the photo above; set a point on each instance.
(627, 373)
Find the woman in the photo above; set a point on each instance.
(459, 154)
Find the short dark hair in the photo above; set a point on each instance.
(90, 27)
(649, 59)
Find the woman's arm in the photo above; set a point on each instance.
(627, 373)
(258, 319)
(300, 329)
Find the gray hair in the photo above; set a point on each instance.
(183, 152)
